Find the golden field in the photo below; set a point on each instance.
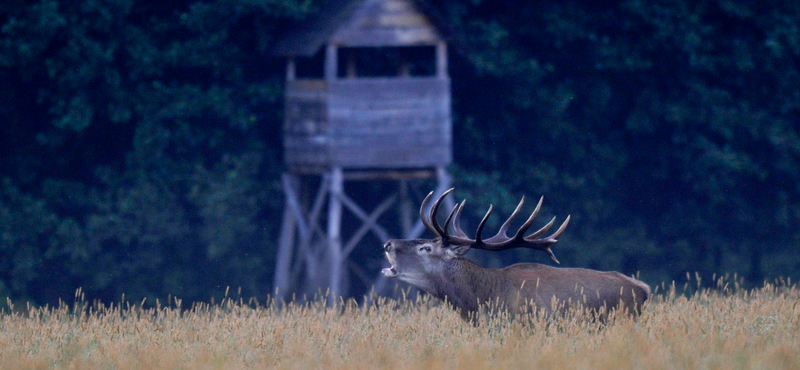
(721, 328)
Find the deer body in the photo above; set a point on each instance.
(467, 285)
(438, 267)
(592, 289)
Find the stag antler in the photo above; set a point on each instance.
(500, 241)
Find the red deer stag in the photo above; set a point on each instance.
(438, 267)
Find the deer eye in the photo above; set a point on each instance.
(425, 248)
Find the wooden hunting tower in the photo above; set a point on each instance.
(367, 97)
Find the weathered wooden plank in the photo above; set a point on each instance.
(405, 20)
(387, 37)
(396, 154)
(390, 14)
(369, 123)
(384, 100)
(401, 174)
(306, 85)
(375, 106)
(391, 140)
(393, 157)
(367, 148)
(347, 106)
(369, 86)
(387, 23)
(305, 151)
(387, 125)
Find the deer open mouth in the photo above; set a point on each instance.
(390, 271)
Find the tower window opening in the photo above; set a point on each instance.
(415, 61)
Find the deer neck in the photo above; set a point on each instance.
(464, 284)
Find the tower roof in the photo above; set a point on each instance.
(364, 23)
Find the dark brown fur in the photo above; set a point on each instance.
(441, 272)
(438, 267)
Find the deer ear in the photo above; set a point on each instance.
(458, 250)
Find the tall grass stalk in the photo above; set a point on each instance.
(721, 328)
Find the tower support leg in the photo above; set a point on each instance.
(320, 255)
(335, 233)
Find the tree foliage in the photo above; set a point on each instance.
(137, 138)
(669, 128)
(140, 141)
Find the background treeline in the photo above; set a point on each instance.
(140, 141)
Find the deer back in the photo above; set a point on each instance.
(543, 285)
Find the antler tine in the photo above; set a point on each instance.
(550, 240)
(529, 222)
(434, 210)
(554, 237)
(550, 253)
(424, 220)
(446, 235)
(478, 233)
(457, 219)
(541, 231)
(561, 228)
(501, 234)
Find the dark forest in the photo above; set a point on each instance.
(141, 151)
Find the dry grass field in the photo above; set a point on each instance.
(723, 328)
